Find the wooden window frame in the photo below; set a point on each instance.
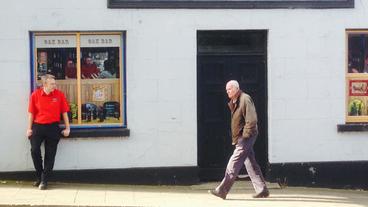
(352, 76)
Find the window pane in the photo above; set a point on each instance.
(358, 97)
(357, 77)
(100, 84)
(56, 55)
(358, 53)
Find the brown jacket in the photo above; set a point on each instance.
(243, 117)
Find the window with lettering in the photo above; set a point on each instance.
(89, 70)
(357, 76)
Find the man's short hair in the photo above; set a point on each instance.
(234, 83)
(46, 77)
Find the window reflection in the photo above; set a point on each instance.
(100, 63)
(59, 62)
(100, 74)
(100, 84)
(358, 53)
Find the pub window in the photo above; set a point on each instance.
(89, 69)
(357, 76)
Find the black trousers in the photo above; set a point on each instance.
(49, 134)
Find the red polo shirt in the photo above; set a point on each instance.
(89, 70)
(45, 108)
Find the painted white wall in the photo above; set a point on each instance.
(306, 85)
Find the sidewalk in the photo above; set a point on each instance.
(71, 194)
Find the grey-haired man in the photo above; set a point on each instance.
(244, 131)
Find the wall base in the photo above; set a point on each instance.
(136, 176)
(323, 174)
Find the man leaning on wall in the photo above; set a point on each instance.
(45, 106)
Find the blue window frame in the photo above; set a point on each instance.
(90, 69)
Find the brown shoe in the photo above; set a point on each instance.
(217, 194)
(263, 194)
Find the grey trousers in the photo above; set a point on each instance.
(243, 154)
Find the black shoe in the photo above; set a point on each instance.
(263, 194)
(217, 194)
(42, 186)
(36, 183)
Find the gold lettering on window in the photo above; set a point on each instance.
(100, 41)
(56, 42)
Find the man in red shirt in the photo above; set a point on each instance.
(70, 70)
(89, 69)
(45, 106)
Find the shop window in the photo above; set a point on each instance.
(89, 69)
(357, 77)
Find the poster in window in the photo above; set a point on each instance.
(99, 93)
(358, 87)
(358, 98)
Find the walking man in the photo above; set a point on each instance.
(45, 106)
(244, 132)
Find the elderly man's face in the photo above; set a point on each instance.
(231, 90)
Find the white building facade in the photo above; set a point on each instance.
(306, 95)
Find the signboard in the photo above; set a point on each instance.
(56, 41)
(100, 40)
(358, 88)
(231, 4)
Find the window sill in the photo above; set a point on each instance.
(103, 132)
(352, 127)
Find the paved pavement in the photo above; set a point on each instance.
(71, 194)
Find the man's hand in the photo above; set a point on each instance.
(65, 132)
(29, 133)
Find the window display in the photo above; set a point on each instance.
(357, 76)
(88, 70)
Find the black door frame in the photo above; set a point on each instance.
(264, 154)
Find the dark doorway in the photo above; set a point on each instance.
(223, 56)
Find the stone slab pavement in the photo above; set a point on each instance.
(74, 194)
